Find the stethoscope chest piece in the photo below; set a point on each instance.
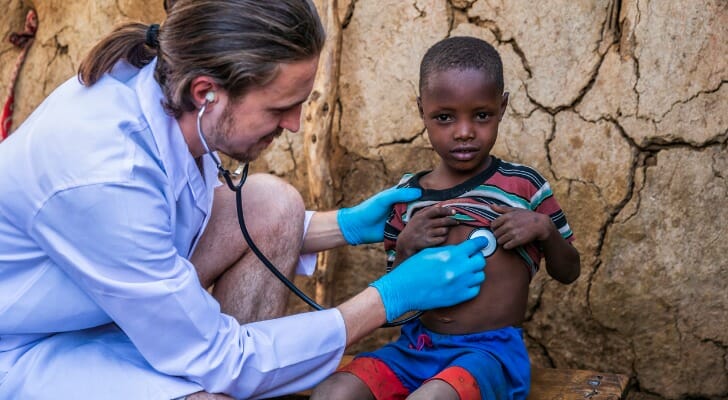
(492, 244)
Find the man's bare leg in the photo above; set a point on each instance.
(274, 213)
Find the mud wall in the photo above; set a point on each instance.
(620, 104)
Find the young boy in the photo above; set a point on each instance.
(474, 350)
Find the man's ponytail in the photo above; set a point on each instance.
(134, 42)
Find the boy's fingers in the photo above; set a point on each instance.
(440, 231)
(501, 209)
(435, 212)
(496, 224)
(445, 222)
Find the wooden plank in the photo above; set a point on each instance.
(570, 384)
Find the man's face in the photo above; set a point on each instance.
(248, 125)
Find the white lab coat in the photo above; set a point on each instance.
(101, 204)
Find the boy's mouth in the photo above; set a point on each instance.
(464, 153)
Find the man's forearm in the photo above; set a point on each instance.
(323, 233)
(362, 314)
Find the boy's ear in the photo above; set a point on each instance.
(504, 104)
(419, 107)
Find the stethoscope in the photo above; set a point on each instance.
(238, 189)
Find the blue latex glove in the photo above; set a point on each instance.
(433, 278)
(364, 223)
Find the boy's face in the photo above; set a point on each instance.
(461, 110)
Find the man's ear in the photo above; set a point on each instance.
(204, 89)
(419, 107)
(504, 104)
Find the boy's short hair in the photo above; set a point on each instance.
(462, 52)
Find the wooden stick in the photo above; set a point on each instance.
(318, 140)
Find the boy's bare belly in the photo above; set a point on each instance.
(502, 299)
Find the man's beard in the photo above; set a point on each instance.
(224, 132)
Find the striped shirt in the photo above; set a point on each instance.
(502, 183)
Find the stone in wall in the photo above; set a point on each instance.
(698, 121)
(66, 31)
(673, 46)
(523, 139)
(10, 21)
(674, 43)
(592, 152)
(612, 94)
(560, 42)
(661, 284)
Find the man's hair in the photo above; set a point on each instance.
(462, 53)
(238, 43)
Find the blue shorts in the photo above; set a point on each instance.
(497, 360)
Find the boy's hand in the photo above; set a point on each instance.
(517, 227)
(427, 228)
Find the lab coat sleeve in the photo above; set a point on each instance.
(307, 261)
(115, 241)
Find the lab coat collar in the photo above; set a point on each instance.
(174, 152)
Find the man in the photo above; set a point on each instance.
(109, 234)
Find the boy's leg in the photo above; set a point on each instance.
(365, 378)
(342, 385)
(434, 389)
(274, 214)
(472, 376)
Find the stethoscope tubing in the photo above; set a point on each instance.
(238, 189)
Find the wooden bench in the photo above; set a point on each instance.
(556, 384)
(572, 384)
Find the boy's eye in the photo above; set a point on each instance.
(443, 118)
(482, 116)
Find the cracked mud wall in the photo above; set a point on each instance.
(620, 104)
(67, 29)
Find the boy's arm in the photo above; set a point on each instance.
(563, 262)
(517, 227)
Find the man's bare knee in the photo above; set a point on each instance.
(276, 199)
(273, 211)
(265, 199)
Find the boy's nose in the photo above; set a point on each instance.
(464, 130)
